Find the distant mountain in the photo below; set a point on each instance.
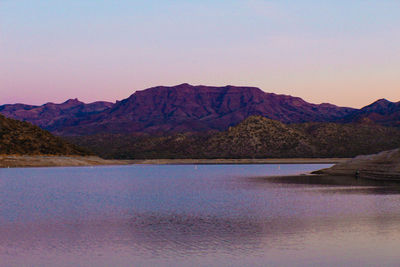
(23, 138)
(201, 108)
(52, 116)
(187, 108)
(255, 137)
(381, 112)
(178, 108)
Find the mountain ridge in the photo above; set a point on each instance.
(382, 111)
(50, 115)
(180, 108)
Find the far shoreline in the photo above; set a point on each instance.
(239, 161)
(19, 161)
(27, 161)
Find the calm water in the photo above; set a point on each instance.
(187, 215)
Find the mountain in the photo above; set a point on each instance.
(52, 116)
(255, 137)
(180, 108)
(381, 112)
(23, 138)
(187, 108)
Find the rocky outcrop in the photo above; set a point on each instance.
(381, 166)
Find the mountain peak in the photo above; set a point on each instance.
(382, 111)
(378, 105)
(183, 85)
(72, 101)
(382, 101)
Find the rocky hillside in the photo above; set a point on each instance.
(255, 137)
(181, 108)
(23, 138)
(258, 137)
(349, 140)
(381, 166)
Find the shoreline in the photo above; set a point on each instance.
(26, 161)
(240, 161)
(383, 166)
(19, 161)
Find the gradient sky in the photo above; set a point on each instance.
(341, 51)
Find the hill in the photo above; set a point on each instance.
(258, 137)
(349, 140)
(23, 138)
(255, 137)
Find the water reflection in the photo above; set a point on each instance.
(334, 184)
(181, 236)
(218, 216)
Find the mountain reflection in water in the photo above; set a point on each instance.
(337, 184)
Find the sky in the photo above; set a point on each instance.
(345, 52)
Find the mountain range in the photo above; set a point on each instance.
(51, 116)
(208, 122)
(187, 108)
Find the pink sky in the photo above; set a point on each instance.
(345, 54)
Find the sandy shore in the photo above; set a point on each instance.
(12, 161)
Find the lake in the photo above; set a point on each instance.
(194, 215)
